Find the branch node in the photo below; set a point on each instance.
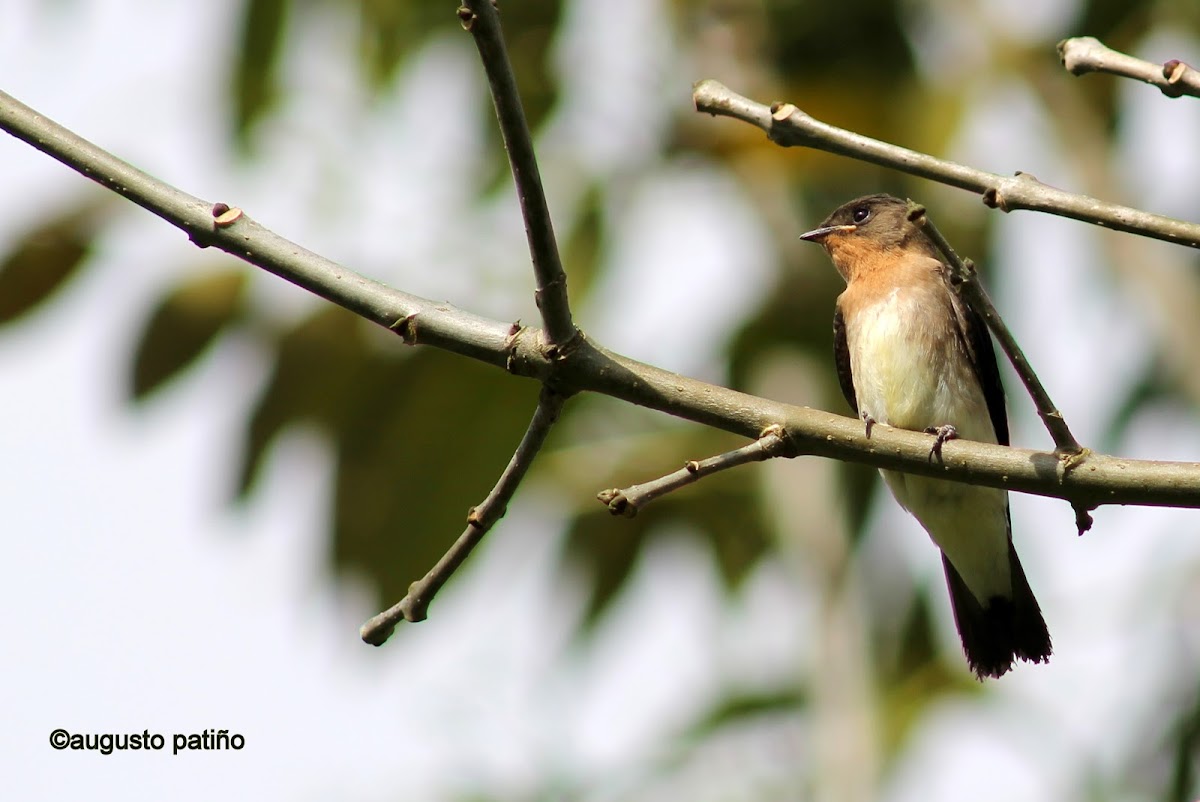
(225, 215)
(466, 18)
(1072, 459)
(780, 111)
(406, 327)
(993, 199)
(513, 360)
(1083, 517)
(1174, 70)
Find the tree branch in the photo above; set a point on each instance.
(1084, 54)
(523, 351)
(788, 126)
(627, 501)
(964, 270)
(1065, 442)
(480, 18)
(415, 605)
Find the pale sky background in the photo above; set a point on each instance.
(137, 599)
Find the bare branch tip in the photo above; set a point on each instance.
(375, 635)
(704, 92)
(614, 498)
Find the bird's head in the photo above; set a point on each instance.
(870, 225)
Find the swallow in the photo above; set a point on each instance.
(912, 354)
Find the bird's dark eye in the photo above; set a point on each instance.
(860, 214)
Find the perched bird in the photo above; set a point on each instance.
(912, 354)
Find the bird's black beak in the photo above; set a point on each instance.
(818, 234)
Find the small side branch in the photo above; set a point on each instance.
(481, 19)
(627, 501)
(1084, 54)
(415, 606)
(1065, 442)
(788, 126)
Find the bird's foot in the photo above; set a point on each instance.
(868, 420)
(943, 434)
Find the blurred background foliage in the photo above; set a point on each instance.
(419, 436)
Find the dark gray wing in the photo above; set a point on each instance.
(841, 358)
(978, 341)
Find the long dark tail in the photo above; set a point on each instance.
(996, 633)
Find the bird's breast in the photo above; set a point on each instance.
(909, 367)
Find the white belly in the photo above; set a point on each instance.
(907, 378)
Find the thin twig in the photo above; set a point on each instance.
(1065, 442)
(1084, 54)
(481, 19)
(414, 606)
(1066, 446)
(627, 501)
(788, 126)
(523, 352)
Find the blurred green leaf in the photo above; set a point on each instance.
(865, 43)
(48, 255)
(739, 708)
(389, 30)
(584, 244)
(722, 511)
(427, 437)
(183, 325)
(1185, 745)
(529, 29)
(419, 435)
(606, 548)
(1154, 385)
(255, 80)
(1118, 23)
(316, 365)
